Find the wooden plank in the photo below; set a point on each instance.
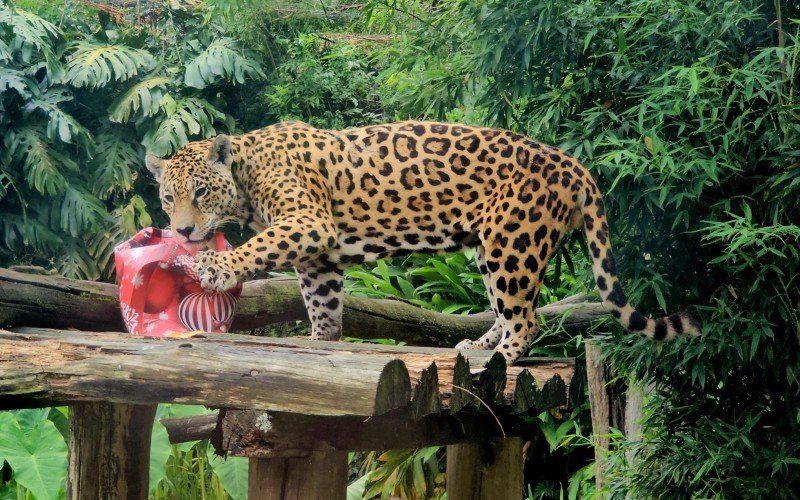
(322, 475)
(494, 472)
(42, 366)
(57, 302)
(45, 366)
(109, 449)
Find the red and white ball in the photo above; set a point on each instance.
(206, 310)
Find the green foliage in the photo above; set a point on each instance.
(35, 451)
(687, 113)
(327, 85)
(78, 108)
(404, 474)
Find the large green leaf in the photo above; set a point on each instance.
(186, 118)
(41, 163)
(79, 211)
(146, 96)
(232, 473)
(160, 450)
(221, 60)
(16, 80)
(28, 28)
(116, 158)
(92, 64)
(60, 124)
(38, 457)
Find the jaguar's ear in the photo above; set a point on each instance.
(155, 165)
(221, 150)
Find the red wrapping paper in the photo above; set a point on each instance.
(159, 291)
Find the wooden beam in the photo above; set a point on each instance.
(185, 429)
(321, 475)
(253, 433)
(485, 471)
(57, 302)
(109, 450)
(41, 366)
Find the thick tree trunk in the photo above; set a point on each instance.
(56, 302)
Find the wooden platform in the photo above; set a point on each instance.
(284, 401)
(295, 407)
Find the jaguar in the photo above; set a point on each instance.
(322, 200)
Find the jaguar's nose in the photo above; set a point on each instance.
(185, 231)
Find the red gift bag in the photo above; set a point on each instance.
(159, 291)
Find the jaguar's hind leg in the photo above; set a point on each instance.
(489, 339)
(322, 288)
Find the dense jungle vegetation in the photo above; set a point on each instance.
(686, 111)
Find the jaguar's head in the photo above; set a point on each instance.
(197, 188)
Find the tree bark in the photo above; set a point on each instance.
(321, 475)
(474, 473)
(57, 302)
(109, 451)
(41, 366)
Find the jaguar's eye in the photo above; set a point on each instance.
(168, 198)
(200, 191)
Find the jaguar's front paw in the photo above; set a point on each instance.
(215, 271)
(466, 345)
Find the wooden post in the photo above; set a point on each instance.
(321, 475)
(469, 477)
(109, 451)
(600, 407)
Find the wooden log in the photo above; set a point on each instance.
(477, 473)
(109, 451)
(185, 429)
(427, 400)
(255, 433)
(322, 475)
(57, 302)
(41, 366)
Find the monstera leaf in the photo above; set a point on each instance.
(92, 64)
(60, 124)
(221, 60)
(185, 118)
(116, 158)
(146, 96)
(41, 163)
(27, 28)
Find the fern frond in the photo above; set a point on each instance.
(116, 159)
(190, 117)
(41, 164)
(221, 60)
(93, 65)
(60, 124)
(146, 96)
